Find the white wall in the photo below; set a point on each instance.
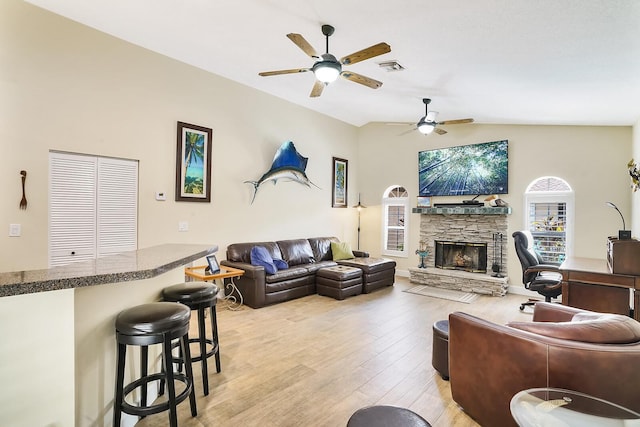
(592, 159)
(67, 87)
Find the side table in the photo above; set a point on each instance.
(225, 272)
(558, 407)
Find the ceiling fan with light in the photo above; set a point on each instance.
(428, 123)
(327, 68)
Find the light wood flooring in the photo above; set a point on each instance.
(315, 360)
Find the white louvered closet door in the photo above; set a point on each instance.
(92, 207)
(117, 206)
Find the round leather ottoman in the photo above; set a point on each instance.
(386, 416)
(440, 348)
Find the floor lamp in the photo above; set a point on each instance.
(359, 207)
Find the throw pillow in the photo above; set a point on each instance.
(260, 256)
(341, 250)
(280, 264)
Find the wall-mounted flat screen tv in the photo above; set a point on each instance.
(464, 170)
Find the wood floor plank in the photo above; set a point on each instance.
(314, 361)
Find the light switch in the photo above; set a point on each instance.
(15, 230)
(161, 196)
(183, 226)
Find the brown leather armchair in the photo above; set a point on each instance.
(564, 347)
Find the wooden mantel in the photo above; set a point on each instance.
(463, 210)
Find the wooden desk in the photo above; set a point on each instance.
(225, 272)
(588, 283)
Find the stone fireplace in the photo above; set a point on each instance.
(473, 246)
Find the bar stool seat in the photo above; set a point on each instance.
(145, 325)
(199, 296)
(386, 416)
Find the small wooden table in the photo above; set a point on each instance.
(225, 272)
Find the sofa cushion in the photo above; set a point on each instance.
(260, 256)
(296, 252)
(341, 250)
(287, 275)
(321, 247)
(601, 328)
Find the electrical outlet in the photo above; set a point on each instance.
(15, 230)
(183, 226)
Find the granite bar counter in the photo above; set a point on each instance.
(124, 267)
(57, 360)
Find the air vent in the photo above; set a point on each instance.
(391, 65)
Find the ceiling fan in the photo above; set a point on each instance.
(327, 68)
(428, 123)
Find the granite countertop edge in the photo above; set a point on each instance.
(128, 266)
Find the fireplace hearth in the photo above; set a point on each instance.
(465, 256)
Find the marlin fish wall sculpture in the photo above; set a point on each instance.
(288, 165)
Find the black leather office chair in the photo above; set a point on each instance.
(545, 279)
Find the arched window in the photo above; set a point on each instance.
(549, 210)
(395, 206)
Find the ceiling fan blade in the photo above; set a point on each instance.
(278, 72)
(370, 52)
(303, 44)
(317, 89)
(406, 132)
(358, 78)
(440, 131)
(456, 122)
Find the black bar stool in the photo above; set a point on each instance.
(386, 416)
(199, 296)
(144, 325)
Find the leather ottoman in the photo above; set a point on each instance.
(440, 349)
(376, 272)
(339, 281)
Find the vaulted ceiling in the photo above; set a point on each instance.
(497, 61)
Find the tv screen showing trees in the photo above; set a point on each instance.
(464, 170)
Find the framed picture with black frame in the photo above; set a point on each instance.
(424, 202)
(213, 267)
(193, 163)
(339, 188)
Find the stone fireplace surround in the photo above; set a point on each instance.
(463, 224)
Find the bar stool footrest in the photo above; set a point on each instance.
(143, 411)
(198, 358)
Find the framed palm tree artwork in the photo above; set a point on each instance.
(339, 188)
(193, 163)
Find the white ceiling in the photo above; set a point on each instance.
(498, 61)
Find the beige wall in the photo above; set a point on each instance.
(591, 159)
(635, 218)
(67, 87)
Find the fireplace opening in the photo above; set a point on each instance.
(466, 256)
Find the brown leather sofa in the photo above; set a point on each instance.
(304, 256)
(564, 347)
